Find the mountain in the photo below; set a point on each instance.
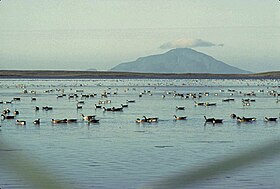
(180, 60)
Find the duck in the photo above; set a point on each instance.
(59, 96)
(71, 96)
(81, 102)
(130, 101)
(209, 120)
(97, 106)
(209, 104)
(107, 109)
(20, 122)
(104, 102)
(72, 120)
(16, 112)
(56, 121)
(7, 116)
(47, 108)
(233, 116)
(113, 109)
(150, 119)
(180, 118)
(117, 109)
(36, 122)
(246, 103)
(218, 121)
(93, 121)
(199, 103)
(138, 120)
(270, 118)
(87, 118)
(180, 107)
(228, 99)
(245, 119)
(124, 105)
(6, 111)
(79, 107)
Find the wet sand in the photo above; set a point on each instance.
(63, 74)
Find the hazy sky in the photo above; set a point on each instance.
(83, 34)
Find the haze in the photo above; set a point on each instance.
(79, 35)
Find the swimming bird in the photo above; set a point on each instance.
(124, 105)
(59, 121)
(209, 104)
(6, 111)
(104, 102)
(80, 102)
(36, 122)
(87, 118)
(7, 116)
(150, 119)
(209, 120)
(138, 120)
(72, 120)
(228, 100)
(20, 122)
(180, 107)
(246, 103)
(16, 112)
(107, 109)
(130, 101)
(79, 107)
(93, 121)
(114, 109)
(233, 116)
(36, 108)
(218, 121)
(199, 103)
(47, 108)
(270, 118)
(245, 119)
(97, 106)
(180, 118)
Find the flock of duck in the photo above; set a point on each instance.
(7, 114)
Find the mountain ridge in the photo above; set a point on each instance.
(180, 60)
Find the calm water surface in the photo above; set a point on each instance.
(119, 153)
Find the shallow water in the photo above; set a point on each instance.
(119, 153)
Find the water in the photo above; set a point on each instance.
(119, 153)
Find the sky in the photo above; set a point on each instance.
(99, 34)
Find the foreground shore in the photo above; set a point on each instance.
(61, 74)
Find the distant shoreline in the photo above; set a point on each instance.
(63, 74)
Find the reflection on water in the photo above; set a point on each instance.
(120, 153)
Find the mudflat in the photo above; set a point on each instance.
(64, 74)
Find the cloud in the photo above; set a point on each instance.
(190, 43)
